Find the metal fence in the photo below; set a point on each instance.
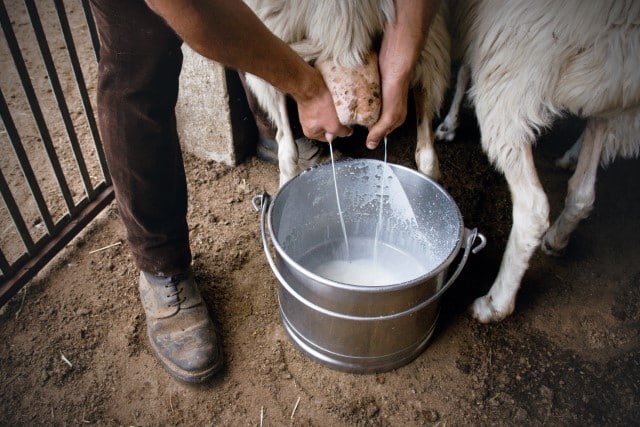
(53, 174)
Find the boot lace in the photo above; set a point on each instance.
(174, 291)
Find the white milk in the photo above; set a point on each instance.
(369, 272)
(381, 269)
(335, 184)
(375, 243)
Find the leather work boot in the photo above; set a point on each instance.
(180, 331)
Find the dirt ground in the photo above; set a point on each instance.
(73, 348)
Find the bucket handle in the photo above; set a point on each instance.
(260, 203)
(469, 238)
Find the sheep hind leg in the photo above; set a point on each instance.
(287, 148)
(581, 192)
(530, 221)
(446, 131)
(425, 156)
(570, 157)
(274, 103)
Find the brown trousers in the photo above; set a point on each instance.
(140, 62)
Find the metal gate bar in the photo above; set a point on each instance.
(59, 95)
(29, 175)
(80, 84)
(14, 274)
(53, 246)
(35, 106)
(91, 26)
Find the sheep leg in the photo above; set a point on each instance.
(425, 155)
(274, 102)
(581, 192)
(446, 131)
(570, 157)
(530, 220)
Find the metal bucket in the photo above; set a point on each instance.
(361, 327)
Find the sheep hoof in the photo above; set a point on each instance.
(445, 133)
(484, 311)
(550, 249)
(566, 163)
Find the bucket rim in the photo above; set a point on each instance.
(366, 288)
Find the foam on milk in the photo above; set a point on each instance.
(390, 266)
(363, 272)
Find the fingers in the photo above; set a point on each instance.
(380, 130)
(394, 113)
(376, 133)
(319, 118)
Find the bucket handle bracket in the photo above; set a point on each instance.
(471, 237)
(259, 201)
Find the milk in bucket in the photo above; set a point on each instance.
(386, 265)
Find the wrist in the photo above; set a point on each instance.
(308, 85)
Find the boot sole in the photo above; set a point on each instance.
(190, 377)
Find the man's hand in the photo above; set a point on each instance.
(402, 43)
(227, 31)
(318, 117)
(395, 95)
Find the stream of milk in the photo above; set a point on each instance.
(375, 241)
(335, 184)
(386, 266)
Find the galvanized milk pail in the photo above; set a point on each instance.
(391, 214)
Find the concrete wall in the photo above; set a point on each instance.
(214, 121)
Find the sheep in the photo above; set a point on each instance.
(530, 62)
(337, 36)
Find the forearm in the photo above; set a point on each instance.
(404, 39)
(239, 40)
(402, 44)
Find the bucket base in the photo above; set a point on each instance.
(354, 364)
